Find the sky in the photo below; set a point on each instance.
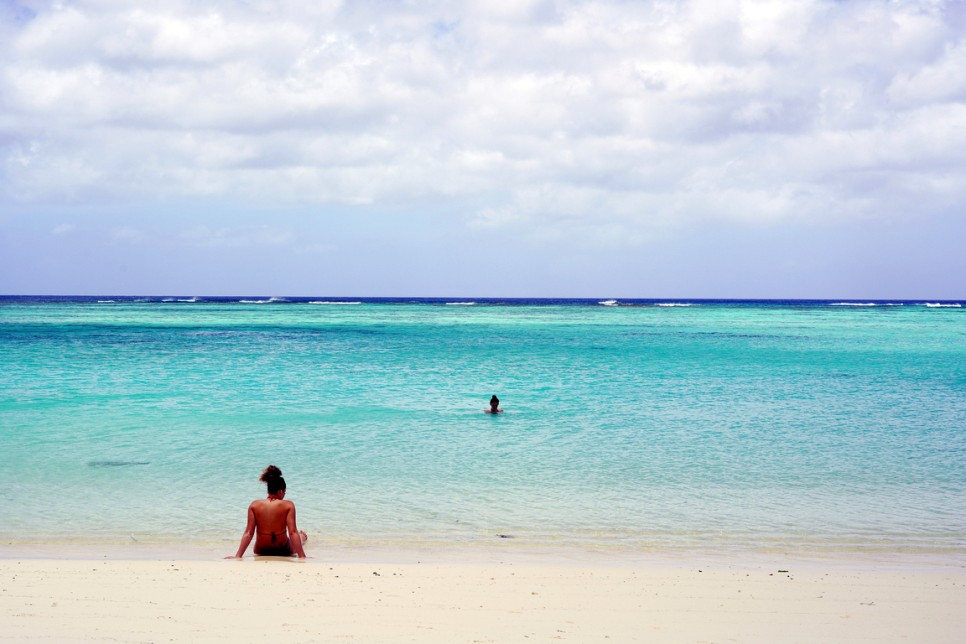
(499, 148)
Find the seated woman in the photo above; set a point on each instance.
(271, 522)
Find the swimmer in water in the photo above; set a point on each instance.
(494, 406)
(271, 522)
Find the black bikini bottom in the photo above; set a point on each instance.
(275, 551)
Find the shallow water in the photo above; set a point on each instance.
(755, 425)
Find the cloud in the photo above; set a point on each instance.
(938, 82)
(627, 119)
(128, 235)
(237, 236)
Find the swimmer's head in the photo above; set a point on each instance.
(272, 476)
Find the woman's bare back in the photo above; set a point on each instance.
(274, 522)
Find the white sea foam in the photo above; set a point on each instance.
(106, 301)
(939, 305)
(461, 304)
(608, 303)
(670, 304)
(254, 301)
(190, 300)
(852, 304)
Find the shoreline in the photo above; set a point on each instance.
(513, 597)
(486, 551)
(359, 548)
(504, 553)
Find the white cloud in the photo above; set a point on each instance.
(944, 80)
(237, 236)
(625, 118)
(63, 229)
(128, 235)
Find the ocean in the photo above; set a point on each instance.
(637, 425)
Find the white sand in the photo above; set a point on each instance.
(590, 600)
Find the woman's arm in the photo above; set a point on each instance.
(247, 536)
(293, 533)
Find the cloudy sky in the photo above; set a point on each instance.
(614, 148)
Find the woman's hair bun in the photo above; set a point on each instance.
(271, 472)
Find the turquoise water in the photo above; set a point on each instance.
(764, 425)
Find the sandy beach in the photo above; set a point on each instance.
(521, 599)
